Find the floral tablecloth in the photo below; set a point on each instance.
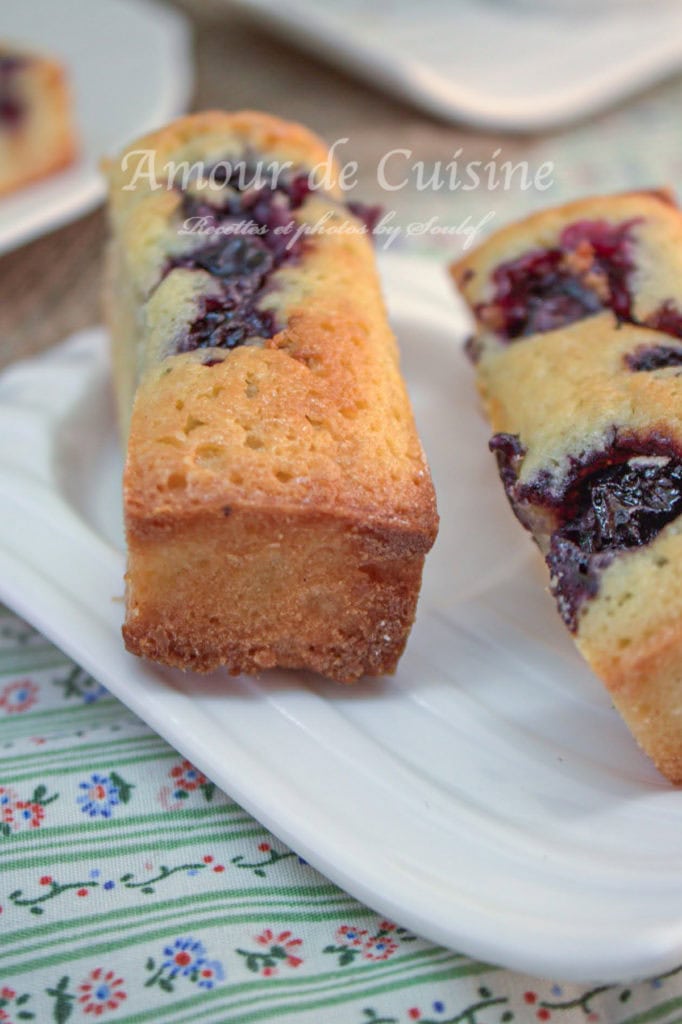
(133, 890)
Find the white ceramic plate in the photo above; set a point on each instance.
(130, 71)
(488, 796)
(516, 65)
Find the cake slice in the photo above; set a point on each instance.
(278, 505)
(578, 353)
(37, 136)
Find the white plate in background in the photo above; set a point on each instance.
(130, 70)
(488, 796)
(514, 65)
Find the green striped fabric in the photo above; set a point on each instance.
(135, 891)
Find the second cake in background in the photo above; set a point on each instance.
(578, 353)
(37, 135)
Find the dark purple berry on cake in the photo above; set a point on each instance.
(233, 257)
(588, 271)
(368, 215)
(545, 289)
(575, 576)
(226, 323)
(11, 62)
(653, 357)
(614, 501)
(11, 111)
(605, 250)
(534, 294)
(251, 232)
(627, 504)
(11, 107)
(509, 452)
(614, 508)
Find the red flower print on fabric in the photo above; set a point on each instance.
(101, 992)
(186, 776)
(16, 814)
(282, 949)
(11, 1004)
(8, 807)
(32, 813)
(18, 696)
(379, 948)
(350, 935)
(352, 942)
(186, 780)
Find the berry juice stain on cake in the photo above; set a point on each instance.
(589, 270)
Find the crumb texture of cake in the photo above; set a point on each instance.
(278, 504)
(578, 356)
(37, 134)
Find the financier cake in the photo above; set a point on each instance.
(278, 505)
(578, 354)
(37, 136)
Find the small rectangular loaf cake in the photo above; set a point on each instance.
(37, 136)
(578, 354)
(278, 505)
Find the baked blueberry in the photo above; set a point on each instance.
(653, 357)
(611, 509)
(549, 288)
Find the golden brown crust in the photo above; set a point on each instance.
(323, 593)
(644, 682)
(569, 393)
(294, 462)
